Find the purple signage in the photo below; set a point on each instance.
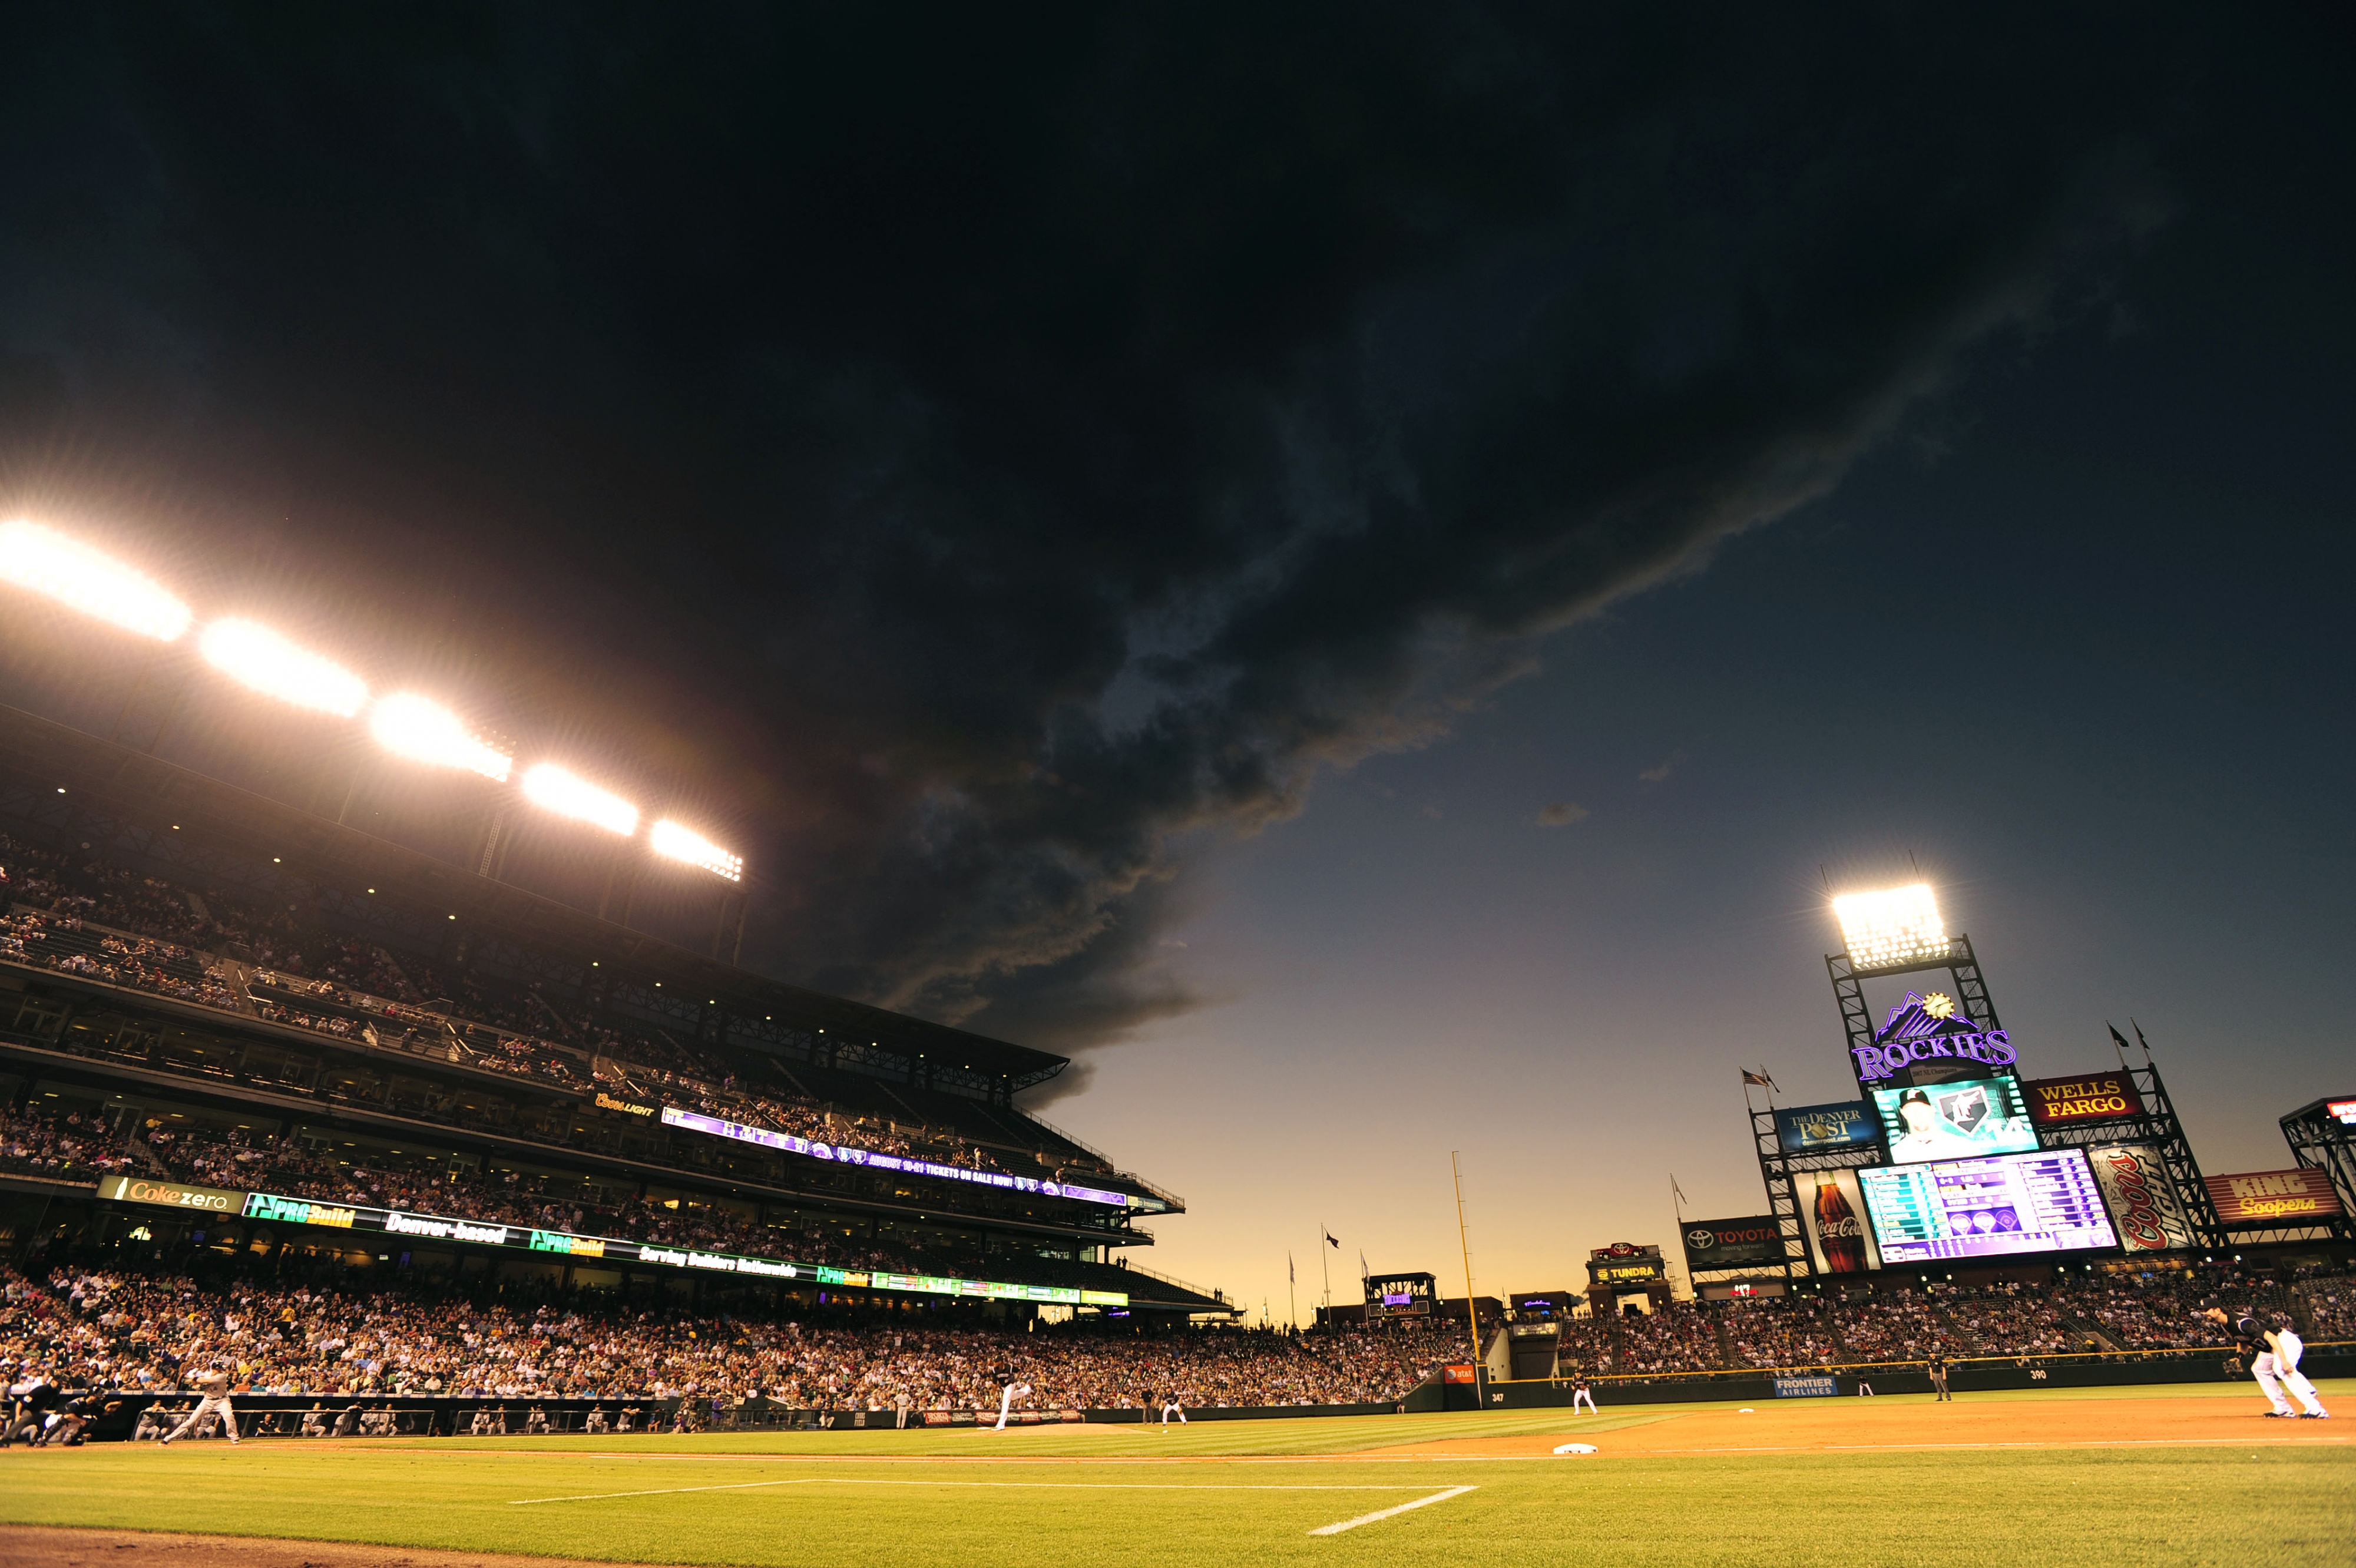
(697, 1122)
(1924, 1028)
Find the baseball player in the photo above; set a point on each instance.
(2287, 1348)
(213, 1387)
(1171, 1407)
(1938, 1369)
(2257, 1343)
(1580, 1392)
(1007, 1396)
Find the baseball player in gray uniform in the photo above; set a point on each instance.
(214, 1387)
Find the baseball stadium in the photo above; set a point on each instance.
(358, 1199)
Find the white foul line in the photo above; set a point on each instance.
(1386, 1513)
(1018, 1485)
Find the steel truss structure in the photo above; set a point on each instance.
(2320, 1141)
(1780, 1170)
(2159, 1127)
(1961, 965)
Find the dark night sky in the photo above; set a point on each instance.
(1360, 568)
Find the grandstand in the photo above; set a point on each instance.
(202, 986)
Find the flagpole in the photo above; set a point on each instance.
(1326, 1271)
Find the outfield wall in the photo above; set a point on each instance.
(1904, 1377)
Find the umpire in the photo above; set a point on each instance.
(1938, 1365)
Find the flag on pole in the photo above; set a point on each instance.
(1365, 1273)
(1678, 1190)
(1291, 1278)
(1758, 1078)
(1331, 1242)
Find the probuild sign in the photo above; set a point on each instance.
(1731, 1243)
(170, 1194)
(2068, 1102)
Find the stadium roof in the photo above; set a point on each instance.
(149, 796)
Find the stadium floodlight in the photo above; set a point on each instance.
(566, 793)
(424, 731)
(677, 842)
(49, 563)
(257, 656)
(1898, 925)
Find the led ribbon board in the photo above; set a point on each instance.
(272, 1208)
(817, 1149)
(2043, 1202)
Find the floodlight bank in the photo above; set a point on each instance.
(566, 793)
(424, 731)
(255, 656)
(96, 584)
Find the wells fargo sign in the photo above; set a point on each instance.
(170, 1194)
(2265, 1199)
(2100, 1097)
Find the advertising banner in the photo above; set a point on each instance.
(2263, 1200)
(1815, 1129)
(2068, 1102)
(2144, 1204)
(1806, 1388)
(171, 1195)
(2043, 1202)
(277, 1210)
(1731, 1243)
(1832, 1213)
(818, 1149)
(2342, 1112)
(1956, 1121)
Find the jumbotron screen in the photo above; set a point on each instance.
(1956, 1121)
(2042, 1202)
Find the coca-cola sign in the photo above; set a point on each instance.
(1832, 1213)
(2142, 1200)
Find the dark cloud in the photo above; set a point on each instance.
(974, 452)
(1561, 814)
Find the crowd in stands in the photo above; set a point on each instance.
(1781, 1331)
(71, 1147)
(120, 1330)
(62, 942)
(356, 991)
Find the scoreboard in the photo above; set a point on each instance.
(2041, 1202)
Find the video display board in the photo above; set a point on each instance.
(1816, 1129)
(2042, 1202)
(1974, 1117)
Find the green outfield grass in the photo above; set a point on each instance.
(1253, 1495)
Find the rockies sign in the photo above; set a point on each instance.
(1732, 1243)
